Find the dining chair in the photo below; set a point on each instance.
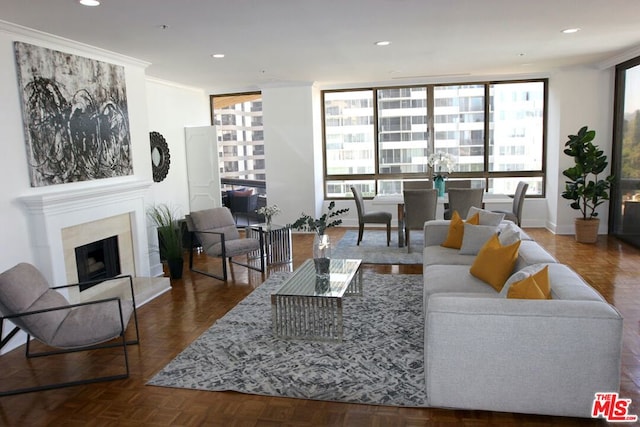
(457, 183)
(461, 199)
(515, 214)
(419, 207)
(417, 185)
(378, 217)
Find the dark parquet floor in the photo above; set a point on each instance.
(172, 321)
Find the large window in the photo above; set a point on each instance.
(376, 138)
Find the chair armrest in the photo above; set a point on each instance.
(435, 231)
(65, 307)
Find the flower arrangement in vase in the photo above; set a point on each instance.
(269, 212)
(442, 164)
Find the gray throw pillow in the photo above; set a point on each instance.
(474, 237)
(486, 217)
(509, 234)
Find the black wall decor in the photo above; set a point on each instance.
(75, 116)
(160, 158)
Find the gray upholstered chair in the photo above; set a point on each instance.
(461, 199)
(419, 206)
(27, 301)
(369, 217)
(457, 183)
(515, 214)
(216, 230)
(417, 185)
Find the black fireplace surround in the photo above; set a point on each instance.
(97, 260)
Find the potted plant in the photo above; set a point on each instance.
(584, 188)
(321, 242)
(169, 237)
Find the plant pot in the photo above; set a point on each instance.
(587, 230)
(175, 267)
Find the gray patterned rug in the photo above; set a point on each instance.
(373, 248)
(379, 362)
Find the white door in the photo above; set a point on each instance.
(203, 171)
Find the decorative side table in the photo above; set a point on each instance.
(277, 242)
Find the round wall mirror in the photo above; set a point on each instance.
(160, 159)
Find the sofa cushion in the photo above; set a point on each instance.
(454, 278)
(456, 230)
(486, 217)
(494, 262)
(438, 255)
(475, 236)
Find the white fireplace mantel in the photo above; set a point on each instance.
(50, 210)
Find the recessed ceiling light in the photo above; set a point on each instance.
(570, 30)
(218, 55)
(383, 43)
(90, 2)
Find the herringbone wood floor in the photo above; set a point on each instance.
(169, 323)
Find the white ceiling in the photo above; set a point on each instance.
(331, 42)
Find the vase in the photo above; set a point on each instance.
(175, 268)
(268, 220)
(438, 183)
(322, 256)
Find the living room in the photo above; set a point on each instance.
(292, 129)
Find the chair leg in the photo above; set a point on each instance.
(360, 231)
(407, 239)
(388, 234)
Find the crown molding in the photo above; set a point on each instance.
(51, 41)
(619, 58)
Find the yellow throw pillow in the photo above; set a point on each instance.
(456, 230)
(526, 289)
(542, 281)
(494, 262)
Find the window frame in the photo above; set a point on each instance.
(485, 175)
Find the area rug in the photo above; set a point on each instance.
(373, 248)
(380, 360)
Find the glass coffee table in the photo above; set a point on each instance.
(309, 306)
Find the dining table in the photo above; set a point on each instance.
(443, 202)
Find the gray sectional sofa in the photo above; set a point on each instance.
(485, 351)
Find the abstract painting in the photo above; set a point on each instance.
(75, 116)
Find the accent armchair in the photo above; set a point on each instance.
(216, 230)
(27, 301)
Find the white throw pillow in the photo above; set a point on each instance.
(509, 234)
(486, 217)
(474, 237)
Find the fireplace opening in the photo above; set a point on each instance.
(97, 260)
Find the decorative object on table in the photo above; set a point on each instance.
(321, 241)
(75, 115)
(165, 218)
(160, 157)
(268, 212)
(442, 165)
(585, 190)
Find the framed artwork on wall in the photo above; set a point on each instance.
(75, 116)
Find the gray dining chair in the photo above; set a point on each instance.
(515, 214)
(461, 199)
(419, 207)
(457, 183)
(378, 217)
(417, 185)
